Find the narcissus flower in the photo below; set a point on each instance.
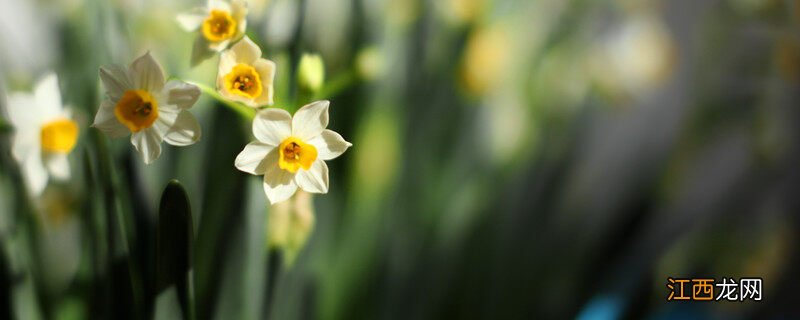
(244, 76)
(141, 103)
(219, 23)
(44, 134)
(290, 152)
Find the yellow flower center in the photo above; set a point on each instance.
(296, 154)
(218, 26)
(59, 136)
(244, 80)
(137, 110)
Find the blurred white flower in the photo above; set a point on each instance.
(244, 76)
(218, 24)
(44, 133)
(140, 102)
(637, 56)
(33, 49)
(290, 152)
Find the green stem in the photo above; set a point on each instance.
(337, 85)
(247, 113)
(4, 126)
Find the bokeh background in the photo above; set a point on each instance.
(512, 159)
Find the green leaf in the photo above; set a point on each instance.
(174, 241)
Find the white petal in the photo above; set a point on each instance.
(115, 80)
(227, 60)
(315, 179)
(272, 125)
(184, 131)
(256, 158)
(218, 46)
(239, 13)
(106, 121)
(167, 115)
(310, 120)
(192, 20)
(279, 184)
(329, 144)
(148, 143)
(23, 112)
(48, 97)
(266, 69)
(146, 73)
(24, 143)
(246, 51)
(219, 5)
(58, 165)
(34, 173)
(181, 94)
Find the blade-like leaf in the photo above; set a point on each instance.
(174, 244)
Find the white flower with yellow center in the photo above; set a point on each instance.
(141, 103)
(44, 134)
(244, 76)
(290, 152)
(219, 23)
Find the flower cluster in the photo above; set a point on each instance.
(289, 151)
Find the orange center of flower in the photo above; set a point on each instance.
(296, 154)
(218, 26)
(59, 136)
(244, 80)
(137, 110)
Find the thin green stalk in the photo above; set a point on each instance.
(247, 113)
(337, 85)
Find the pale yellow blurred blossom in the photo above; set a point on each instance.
(290, 152)
(637, 56)
(460, 11)
(218, 24)
(141, 103)
(485, 61)
(369, 63)
(311, 72)
(243, 76)
(44, 134)
(290, 224)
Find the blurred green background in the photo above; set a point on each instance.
(512, 159)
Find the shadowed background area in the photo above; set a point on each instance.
(511, 159)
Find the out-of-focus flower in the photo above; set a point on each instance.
(290, 224)
(637, 57)
(280, 23)
(484, 64)
(44, 134)
(311, 72)
(219, 23)
(369, 63)
(244, 76)
(140, 102)
(290, 152)
(460, 11)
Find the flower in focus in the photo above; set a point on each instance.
(219, 24)
(140, 102)
(244, 76)
(290, 152)
(44, 134)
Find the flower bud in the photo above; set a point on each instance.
(311, 72)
